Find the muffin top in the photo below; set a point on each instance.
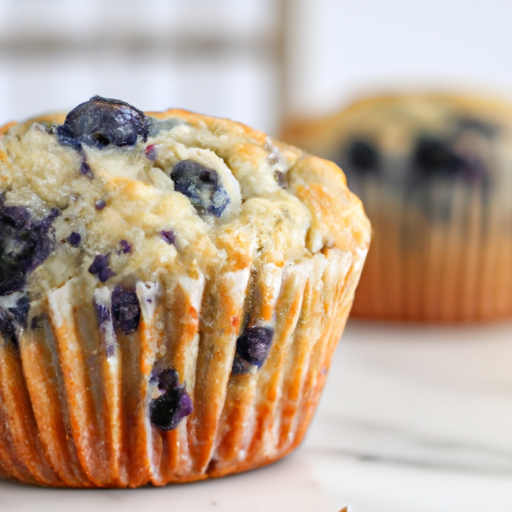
(418, 137)
(115, 195)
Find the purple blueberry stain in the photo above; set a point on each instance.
(110, 350)
(74, 239)
(85, 169)
(126, 311)
(281, 179)
(174, 404)
(168, 237)
(125, 247)
(100, 204)
(104, 315)
(202, 186)
(252, 347)
(25, 243)
(13, 319)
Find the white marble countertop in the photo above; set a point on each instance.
(413, 419)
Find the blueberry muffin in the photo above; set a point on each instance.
(435, 175)
(172, 287)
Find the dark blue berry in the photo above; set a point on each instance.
(125, 310)
(24, 244)
(167, 411)
(74, 239)
(254, 344)
(100, 262)
(100, 204)
(363, 157)
(105, 274)
(102, 122)
(168, 237)
(126, 247)
(100, 268)
(201, 185)
(433, 157)
(166, 379)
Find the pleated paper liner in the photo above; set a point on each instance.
(75, 394)
(426, 267)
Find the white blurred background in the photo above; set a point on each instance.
(340, 49)
(251, 60)
(213, 56)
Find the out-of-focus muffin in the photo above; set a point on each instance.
(172, 287)
(434, 173)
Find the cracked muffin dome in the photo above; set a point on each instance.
(434, 172)
(172, 287)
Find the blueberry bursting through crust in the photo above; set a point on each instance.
(101, 122)
(202, 186)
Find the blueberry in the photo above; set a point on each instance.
(74, 239)
(167, 411)
(125, 310)
(202, 186)
(105, 274)
(24, 244)
(100, 268)
(168, 237)
(254, 344)
(126, 247)
(166, 379)
(100, 204)
(433, 157)
(101, 122)
(363, 156)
